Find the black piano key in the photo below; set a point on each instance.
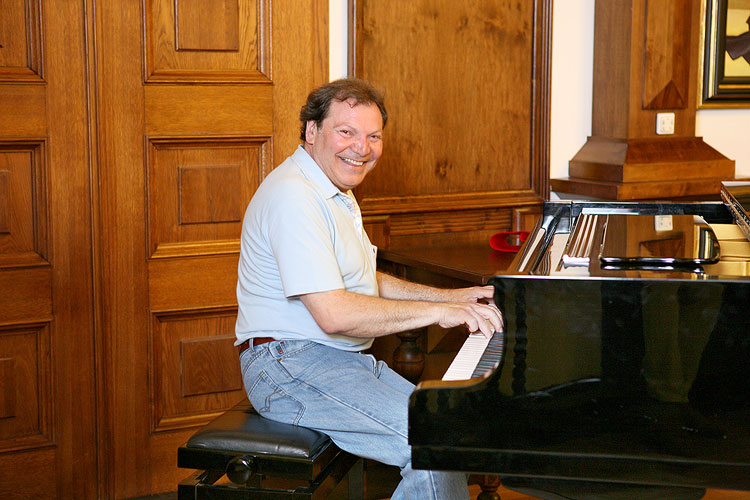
(492, 355)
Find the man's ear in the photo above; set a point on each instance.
(311, 131)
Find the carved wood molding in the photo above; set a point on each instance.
(198, 189)
(453, 201)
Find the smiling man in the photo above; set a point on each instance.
(311, 300)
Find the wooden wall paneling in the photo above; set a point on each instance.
(198, 189)
(48, 424)
(28, 101)
(123, 343)
(299, 64)
(196, 373)
(70, 216)
(212, 112)
(461, 145)
(27, 401)
(461, 133)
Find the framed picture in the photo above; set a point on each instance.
(726, 54)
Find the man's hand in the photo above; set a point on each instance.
(475, 316)
(471, 294)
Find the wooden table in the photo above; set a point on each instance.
(463, 264)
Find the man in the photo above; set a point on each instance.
(310, 299)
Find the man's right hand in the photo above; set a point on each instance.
(477, 317)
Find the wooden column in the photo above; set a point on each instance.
(645, 63)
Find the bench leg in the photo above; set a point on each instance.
(356, 479)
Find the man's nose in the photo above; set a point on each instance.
(361, 145)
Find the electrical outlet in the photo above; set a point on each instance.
(664, 123)
(663, 223)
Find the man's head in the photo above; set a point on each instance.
(319, 101)
(342, 127)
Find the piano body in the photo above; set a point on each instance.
(626, 354)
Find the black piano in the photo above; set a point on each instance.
(626, 357)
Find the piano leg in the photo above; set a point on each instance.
(408, 358)
(488, 485)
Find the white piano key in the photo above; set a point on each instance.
(467, 358)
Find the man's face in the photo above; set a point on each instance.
(348, 143)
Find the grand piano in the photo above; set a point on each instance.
(625, 360)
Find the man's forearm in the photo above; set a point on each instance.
(356, 315)
(398, 289)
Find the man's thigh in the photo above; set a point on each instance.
(337, 392)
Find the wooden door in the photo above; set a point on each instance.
(196, 102)
(47, 384)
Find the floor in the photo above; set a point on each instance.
(381, 481)
(506, 494)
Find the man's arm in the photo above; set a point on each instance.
(395, 288)
(357, 315)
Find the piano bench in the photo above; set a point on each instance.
(264, 460)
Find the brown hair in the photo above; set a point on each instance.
(319, 101)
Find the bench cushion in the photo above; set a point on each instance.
(243, 431)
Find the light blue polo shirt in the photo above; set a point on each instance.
(300, 235)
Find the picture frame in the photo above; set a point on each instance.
(725, 81)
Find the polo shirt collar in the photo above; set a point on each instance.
(312, 171)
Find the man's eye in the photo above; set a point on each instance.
(375, 138)
(345, 132)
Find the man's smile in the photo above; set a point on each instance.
(350, 161)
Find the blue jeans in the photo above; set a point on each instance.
(360, 403)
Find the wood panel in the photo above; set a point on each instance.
(21, 41)
(27, 399)
(198, 189)
(666, 79)
(196, 372)
(189, 40)
(467, 89)
(47, 392)
(205, 124)
(23, 209)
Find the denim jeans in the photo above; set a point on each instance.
(360, 403)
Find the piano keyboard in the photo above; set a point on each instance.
(477, 356)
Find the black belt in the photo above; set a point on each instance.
(256, 342)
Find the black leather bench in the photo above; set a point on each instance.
(265, 460)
